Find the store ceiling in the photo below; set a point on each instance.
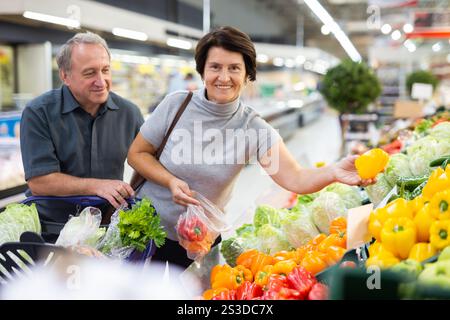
(359, 19)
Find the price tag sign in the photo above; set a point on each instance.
(421, 91)
(357, 226)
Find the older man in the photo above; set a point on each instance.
(75, 139)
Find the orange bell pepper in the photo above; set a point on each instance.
(337, 240)
(211, 293)
(314, 242)
(334, 254)
(299, 254)
(254, 260)
(338, 225)
(314, 261)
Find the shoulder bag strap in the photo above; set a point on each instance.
(174, 122)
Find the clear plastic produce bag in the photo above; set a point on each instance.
(111, 245)
(199, 226)
(82, 229)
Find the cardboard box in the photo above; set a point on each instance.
(408, 109)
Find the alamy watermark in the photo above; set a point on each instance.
(374, 280)
(73, 281)
(224, 147)
(374, 19)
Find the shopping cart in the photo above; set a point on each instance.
(52, 229)
(16, 258)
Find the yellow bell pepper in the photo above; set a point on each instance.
(440, 234)
(283, 267)
(423, 221)
(439, 180)
(416, 204)
(245, 273)
(262, 276)
(440, 205)
(380, 256)
(422, 251)
(399, 208)
(375, 247)
(398, 236)
(371, 163)
(377, 219)
(224, 276)
(396, 208)
(283, 255)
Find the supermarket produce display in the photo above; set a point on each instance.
(299, 251)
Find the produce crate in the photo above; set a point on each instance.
(353, 255)
(358, 284)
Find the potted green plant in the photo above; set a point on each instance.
(421, 76)
(350, 88)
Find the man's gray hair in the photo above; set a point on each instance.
(64, 57)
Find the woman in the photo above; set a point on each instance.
(206, 151)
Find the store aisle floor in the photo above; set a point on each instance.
(318, 141)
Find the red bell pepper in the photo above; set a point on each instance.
(248, 291)
(225, 295)
(301, 280)
(277, 288)
(192, 229)
(318, 292)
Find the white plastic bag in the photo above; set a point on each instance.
(199, 227)
(82, 229)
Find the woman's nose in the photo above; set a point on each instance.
(223, 75)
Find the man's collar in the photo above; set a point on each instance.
(111, 104)
(70, 103)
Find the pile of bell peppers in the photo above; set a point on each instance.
(284, 275)
(416, 229)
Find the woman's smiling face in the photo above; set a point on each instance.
(224, 75)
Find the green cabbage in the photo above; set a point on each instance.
(420, 162)
(350, 195)
(298, 227)
(231, 249)
(272, 239)
(266, 214)
(245, 229)
(378, 191)
(325, 208)
(441, 131)
(424, 150)
(16, 219)
(398, 166)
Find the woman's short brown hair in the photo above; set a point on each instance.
(230, 39)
